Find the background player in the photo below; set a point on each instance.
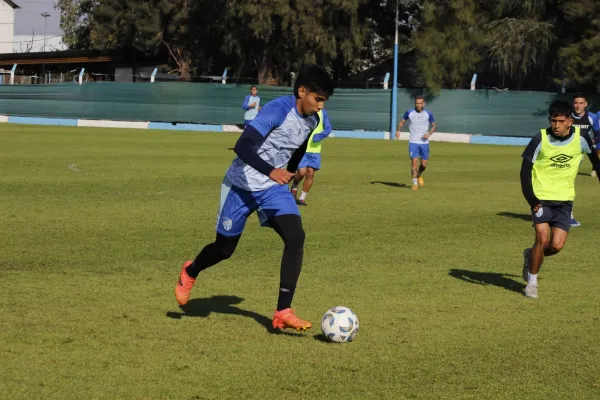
(418, 142)
(252, 105)
(257, 181)
(311, 161)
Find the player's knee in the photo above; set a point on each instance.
(295, 238)
(555, 247)
(542, 242)
(310, 173)
(226, 252)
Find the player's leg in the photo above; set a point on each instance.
(536, 258)
(424, 153)
(413, 153)
(234, 208)
(300, 174)
(283, 216)
(314, 164)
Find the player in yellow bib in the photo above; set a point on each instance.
(550, 164)
(311, 161)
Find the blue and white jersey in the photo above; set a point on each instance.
(284, 130)
(419, 125)
(587, 123)
(250, 112)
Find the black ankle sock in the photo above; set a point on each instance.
(285, 298)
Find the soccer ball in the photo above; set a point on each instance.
(339, 324)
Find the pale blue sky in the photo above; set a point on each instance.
(28, 18)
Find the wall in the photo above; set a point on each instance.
(456, 111)
(7, 21)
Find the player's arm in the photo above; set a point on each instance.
(529, 157)
(326, 129)
(595, 128)
(245, 105)
(272, 115)
(401, 124)
(297, 157)
(588, 147)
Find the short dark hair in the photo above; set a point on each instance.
(253, 87)
(579, 95)
(560, 108)
(314, 78)
(419, 97)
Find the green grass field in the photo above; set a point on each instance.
(96, 223)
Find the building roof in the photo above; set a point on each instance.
(11, 3)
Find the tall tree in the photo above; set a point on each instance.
(580, 58)
(449, 42)
(75, 22)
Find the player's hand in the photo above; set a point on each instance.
(253, 105)
(281, 176)
(425, 137)
(398, 135)
(536, 208)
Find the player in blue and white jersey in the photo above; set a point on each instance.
(251, 105)
(588, 125)
(268, 154)
(418, 141)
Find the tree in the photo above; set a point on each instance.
(581, 57)
(449, 42)
(76, 22)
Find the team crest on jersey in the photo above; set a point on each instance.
(227, 224)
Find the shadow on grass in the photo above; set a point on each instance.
(489, 278)
(223, 305)
(392, 184)
(524, 217)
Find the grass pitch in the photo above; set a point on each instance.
(95, 224)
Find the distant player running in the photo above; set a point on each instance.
(251, 105)
(588, 126)
(311, 161)
(257, 181)
(418, 141)
(548, 171)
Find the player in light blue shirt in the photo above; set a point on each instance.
(268, 153)
(251, 105)
(418, 141)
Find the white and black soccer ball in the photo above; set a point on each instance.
(339, 324)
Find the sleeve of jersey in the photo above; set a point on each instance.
(326, 128)
(595, 127)
(588, 147)
(431, 120)
(531, 151)
(271, 116)
(405, 116)
(245, 103)
(244, 148)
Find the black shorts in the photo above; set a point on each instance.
(555, 213)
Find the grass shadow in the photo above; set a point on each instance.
(525, 217)
(223, 305)
(321, 338)
(489, 278)
(392, 184)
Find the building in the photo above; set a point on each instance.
(7, 25)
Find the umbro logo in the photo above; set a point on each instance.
(561, 158)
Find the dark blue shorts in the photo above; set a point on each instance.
(312, 160)
(237, 204)
(416, 150)
(555, 213)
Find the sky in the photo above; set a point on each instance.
(28, 18)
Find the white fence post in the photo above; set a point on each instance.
(153, 76)
(473, 81)
(81, 75)
(12, 74)
(386, 80)
(224, 77)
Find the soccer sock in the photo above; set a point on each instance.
(532, 279)
(286, 294)
(289, 227)
(294, 185)
(303, 195)
(421, 170)
(222, 248)
(414, 181)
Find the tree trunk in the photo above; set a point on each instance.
(266, 70)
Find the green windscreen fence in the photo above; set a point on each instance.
(486, 112)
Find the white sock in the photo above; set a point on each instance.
(303, 195)
(415, 181)
(294, 186)
(532, 279)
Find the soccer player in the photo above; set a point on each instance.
(548, 171)
(311, 161)
(588, 126)
(257, 181)
(251, 105)
(418, 142)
